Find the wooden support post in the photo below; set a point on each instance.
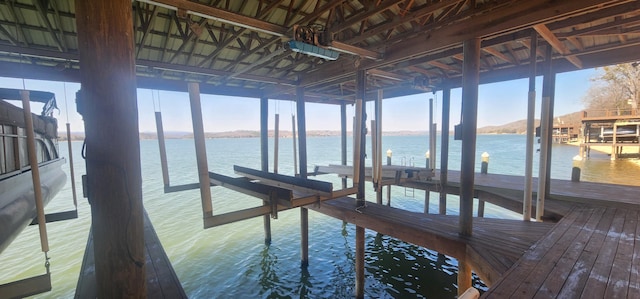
(377, 148)
(295, 146)
(71, 170)
(264, 159)
(470, 81)
(107, 63)
(464, 276)
(343, 139)
(531, 114)
(444, 154)
(359, 175)
(201, 150)
(276, 132)
(614, 143)
(432, 137)
(163, 150)
(427, 191)
(304, 213)
(552, 92)
(35, 170)
(545, 132)
(480, 207)
(359, 178)
(389, 154)
(360, 244)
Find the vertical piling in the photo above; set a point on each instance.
(264, 159)
(71, 166)
(276, 133)
(378, 145)
(295, 150)
(389, 154)
(427, 191)
(201, 149)
(163, 150)
(464, 276)
(343, 139)
(35, 170)
(545, 133)
(444, 153)
(432, 137)
(470, 81)
(359, 178)
(531, 111)
(108, 78)
(304, 213)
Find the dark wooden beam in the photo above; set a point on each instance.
(513, 17)
(114, 179)
(470, 82)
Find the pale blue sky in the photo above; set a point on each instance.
(499, 103)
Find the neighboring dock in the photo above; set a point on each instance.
(162, 281)
(618, 128)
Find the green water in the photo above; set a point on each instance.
(232, 261)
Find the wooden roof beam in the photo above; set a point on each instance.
(254, 24)
(557, 44)
(388, 75)
(518, 15)
(586, 31)
(499, 54)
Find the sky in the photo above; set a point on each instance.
(498, 104)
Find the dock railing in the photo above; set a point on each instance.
(600, 113)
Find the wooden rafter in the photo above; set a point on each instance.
(499, 54)
(557, 44)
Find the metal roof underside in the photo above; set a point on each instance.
(406, 46)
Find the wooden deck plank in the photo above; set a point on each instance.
(618, 284)
(598, 278)
(634, 277)
(440, 232)
(162, 281)
(550, 258)
(506, 287)
(577, 278)
(558, 275)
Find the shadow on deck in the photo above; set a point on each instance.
(162, 281)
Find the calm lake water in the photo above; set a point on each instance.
(232, 261)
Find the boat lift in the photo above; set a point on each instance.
(40, 283)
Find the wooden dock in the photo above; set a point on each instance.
(592, 251)
(501, 242)
(162, 281)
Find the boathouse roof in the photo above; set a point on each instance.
(242, 48)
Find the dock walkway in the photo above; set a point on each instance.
(162, 281)
(592, 252)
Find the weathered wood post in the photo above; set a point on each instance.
(201, 150)
(545, 135)
(276, 137)
(343, 139)
(484, 169)
(575, 170)
(427, 192)
(389, 155)
(531, 111)
(360, 179)
(264, 159)
(107, 63)
(302, 140)
(470, 82)
(163, 150)
(444, 153)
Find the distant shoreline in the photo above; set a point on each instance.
(78, 136)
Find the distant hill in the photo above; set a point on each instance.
(520, 126)
(516, 127)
